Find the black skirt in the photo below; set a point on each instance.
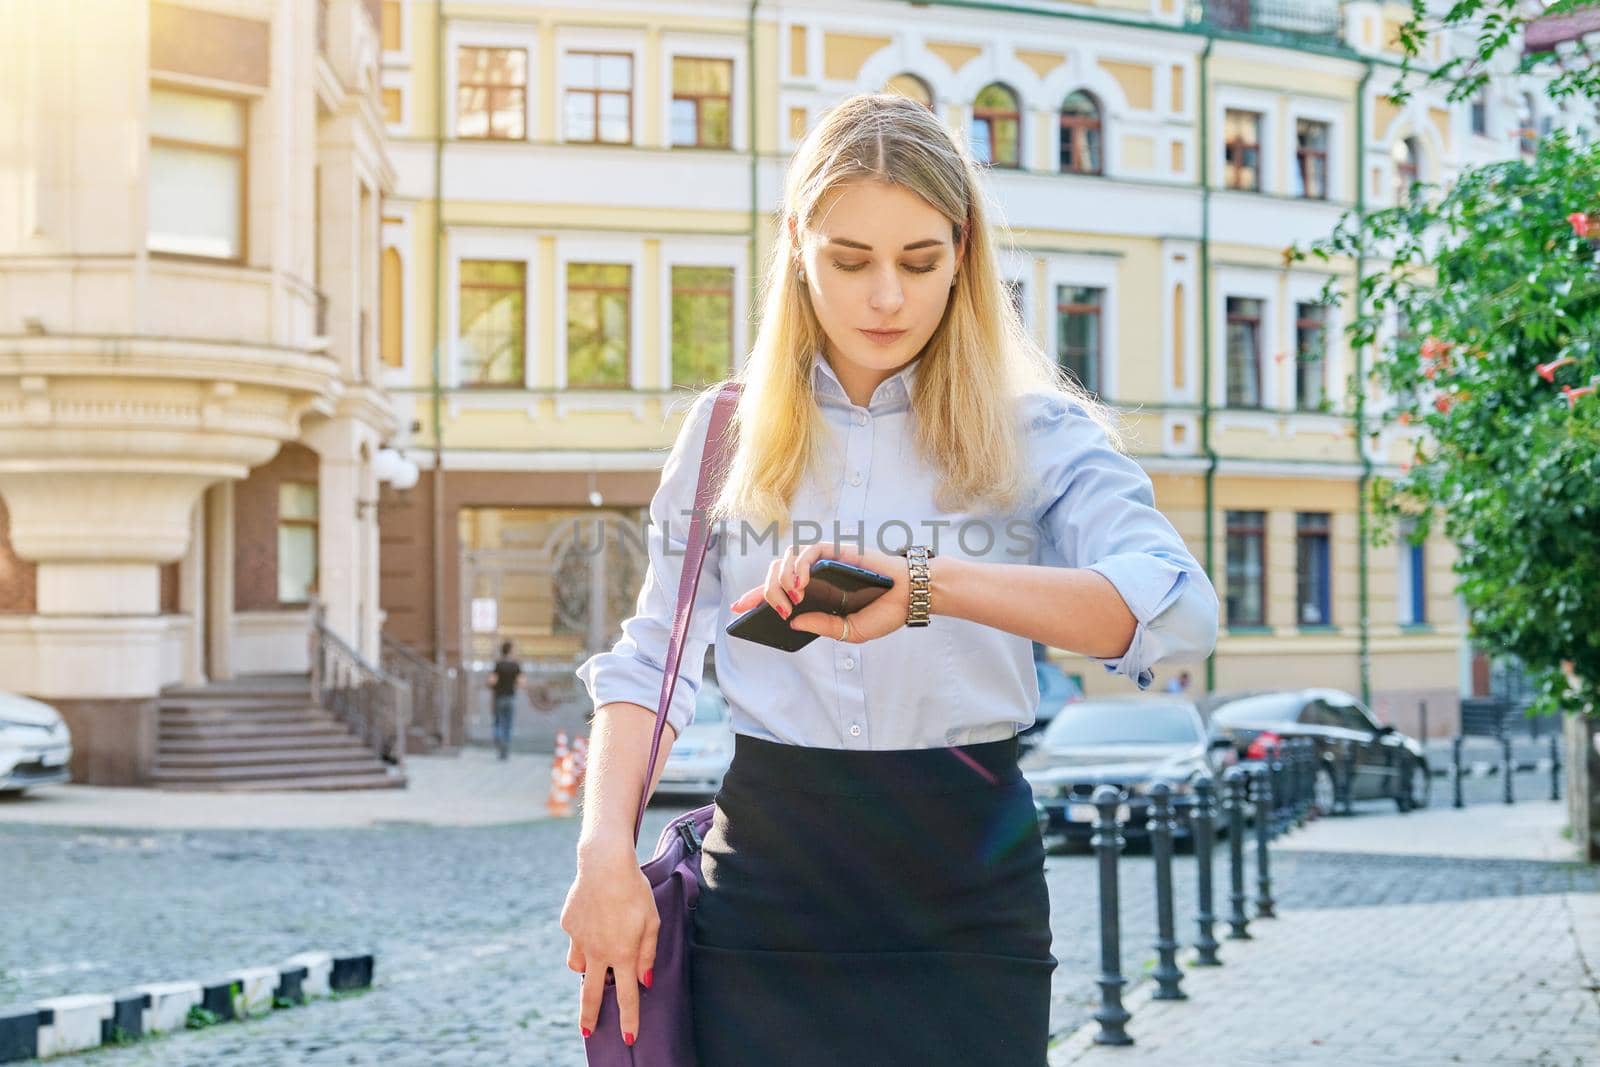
(872, 907)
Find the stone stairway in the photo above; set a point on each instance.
(260, 732)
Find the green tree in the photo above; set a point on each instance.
(1497, 279)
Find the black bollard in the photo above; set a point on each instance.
(1161, 824)
(1279, 769)
(1107, 842)
(1263, 786)
(1237, 782)
(1555, 765)
(1347, 778)
(1455, 764)
(1205, 815)
(1508, 765)
(1302, 797)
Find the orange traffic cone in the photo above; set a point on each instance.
(580, 760)
(560, 801)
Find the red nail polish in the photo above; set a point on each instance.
(649, 977)
(627, 1038)
(585, 1029)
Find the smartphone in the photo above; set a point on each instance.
(835, 587)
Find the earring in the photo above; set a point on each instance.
(802, 274)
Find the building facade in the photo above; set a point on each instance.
(585, 193)
(190, 399)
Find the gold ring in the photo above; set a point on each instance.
(846, 635)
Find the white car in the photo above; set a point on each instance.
(35, 745)
(700, 757)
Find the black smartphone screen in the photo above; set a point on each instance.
(835, 587)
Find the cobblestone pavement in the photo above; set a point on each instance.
(465, 924)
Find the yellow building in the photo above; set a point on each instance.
(584, 192)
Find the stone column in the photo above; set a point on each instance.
(219, 597)
(192, 596)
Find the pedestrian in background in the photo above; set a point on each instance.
(1178, 685)
(505, 680)
(872, 884)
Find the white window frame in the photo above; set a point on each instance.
(706, 46)
(589, 39)
(491, 35)
(691, 252)
(601, 249)
(1251, 285)
(1099, 272)
(1332, 114)
(1233, 98)
(1305, 288)
(492, 245)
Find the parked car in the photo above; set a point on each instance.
(702, 754)
(35, 744)
(1128, 742)
(1384, 763)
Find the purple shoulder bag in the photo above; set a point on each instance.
(666, 1030)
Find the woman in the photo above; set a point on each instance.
(873, 883)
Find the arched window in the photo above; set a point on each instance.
(997, 127)
(1407, 160)
(1081, 135)
(913, 87)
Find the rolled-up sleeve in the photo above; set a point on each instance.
(635, 667)
(1099, 514)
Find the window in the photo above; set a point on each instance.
(1412, 571)
(1247, 595)
(493, 325)
(1311, 160)
(1244, 352)
(598, 328)
(1242, 140)
(197, 175)
(912, 87)
(1311, 568)
(1528, 135)
(702, 325)
(1480, 113)
(702, 102)
(492, 94)
(1406, 155)
(1081, 135)
(297, 542)
(1310, 341)
(996, 127)
(1078, 333)
(391, 309)
(598, 104)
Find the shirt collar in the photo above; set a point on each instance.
(892, 392)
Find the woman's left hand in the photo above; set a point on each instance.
(786, 586)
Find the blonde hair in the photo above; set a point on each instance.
(979, 360)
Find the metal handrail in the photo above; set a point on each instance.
(373, 704)
(432, 689)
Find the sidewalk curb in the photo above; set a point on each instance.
(1081, 1040)
(59, 1026)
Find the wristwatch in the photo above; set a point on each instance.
(917, 557)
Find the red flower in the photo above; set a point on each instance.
(1443, 403)
(1433, 348)
(1404, 418)
(1547, 371)
(1580, 223)
(1573, 394)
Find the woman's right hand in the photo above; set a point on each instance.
(610, 915)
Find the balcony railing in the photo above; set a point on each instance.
(1301, 19)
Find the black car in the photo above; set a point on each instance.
(1381, 762)
(1130, 743)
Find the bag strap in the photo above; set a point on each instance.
(713, 470)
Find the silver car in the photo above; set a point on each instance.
(700, 757)
(35, 744)
(1130, 743)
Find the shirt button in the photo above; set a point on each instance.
(855, 730)
(855, 478)
(849, 663)
(861, 418)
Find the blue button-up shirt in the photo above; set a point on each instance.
(953, 681)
